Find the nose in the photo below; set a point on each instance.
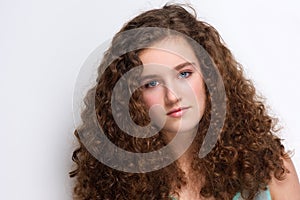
(171, 97)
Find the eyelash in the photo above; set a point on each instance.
(148, 84)
(186, 72)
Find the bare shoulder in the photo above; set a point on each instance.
(289, 187)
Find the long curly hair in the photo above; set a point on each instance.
(244, 159)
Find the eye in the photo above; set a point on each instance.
(184, 74)
(151, 84)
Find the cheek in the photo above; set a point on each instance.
(151, 99)
(199, 90)
(154, 103)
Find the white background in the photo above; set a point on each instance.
(43, 44)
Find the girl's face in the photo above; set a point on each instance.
(173, 88)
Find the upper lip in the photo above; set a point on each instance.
(176, 110)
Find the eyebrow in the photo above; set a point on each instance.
(182, 65)
(143, 78)
(177, 68)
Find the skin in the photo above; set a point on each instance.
(172, 82)
(171, 79)
(289, 188)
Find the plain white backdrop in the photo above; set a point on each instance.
(43, 44)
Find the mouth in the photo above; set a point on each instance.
(177, 112)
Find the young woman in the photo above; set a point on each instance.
(168, 77)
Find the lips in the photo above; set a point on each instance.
(177, 112)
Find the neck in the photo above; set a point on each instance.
(193, 179)
(185, 153)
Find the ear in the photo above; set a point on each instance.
(289, 187)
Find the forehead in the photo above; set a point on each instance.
(169, 52)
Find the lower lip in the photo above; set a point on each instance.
(177, 114)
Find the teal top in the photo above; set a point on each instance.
(263, 195)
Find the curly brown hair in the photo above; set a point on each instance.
(244, 158)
